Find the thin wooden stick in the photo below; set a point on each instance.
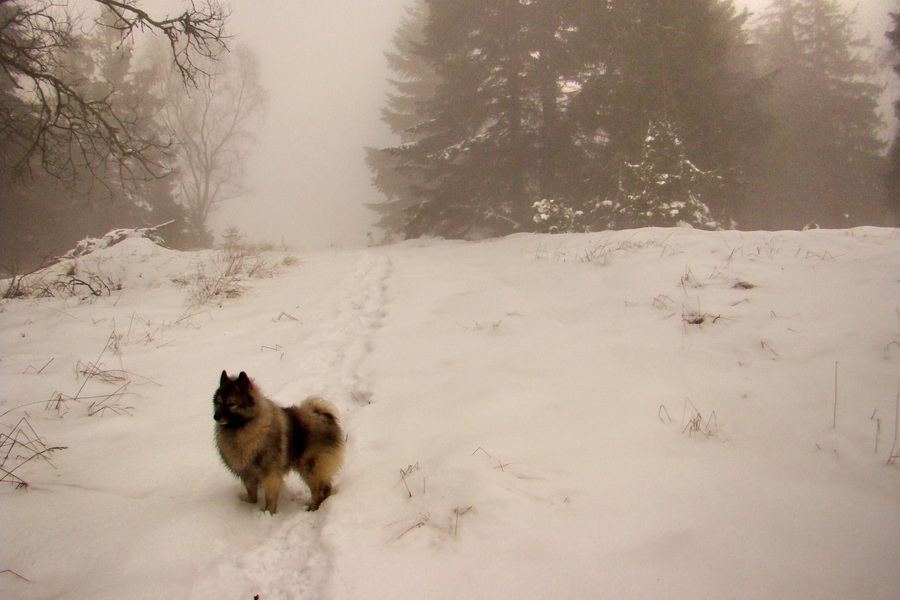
(834, 417)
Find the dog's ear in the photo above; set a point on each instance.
(243, 382)
(223, 379)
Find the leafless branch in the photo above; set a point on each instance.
(50, 118)
(214, 127)
(196, 36)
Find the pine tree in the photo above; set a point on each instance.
(232, 240)
(539, 104)
(471, 154)
(414, 85)
(823, 154)
(494, 138)
(686, 63)
(665, 188)
(893, 175)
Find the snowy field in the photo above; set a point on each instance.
(651, 414)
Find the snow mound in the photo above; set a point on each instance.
(120, 259)
(654, 413)
(89, 245)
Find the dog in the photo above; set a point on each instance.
(261, 442)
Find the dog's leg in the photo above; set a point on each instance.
(319, 493)
(316, 472)
(252, 486)
(272, 486)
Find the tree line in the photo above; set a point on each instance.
(100, 132)
(584, 115)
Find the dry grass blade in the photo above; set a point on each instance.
(92, 371)
(404, 473)
(105, 404)
(19, 447)
(219, 279)
(689, 280)
(895, 452)
(692, 421)
(459, 512)
(11, 572)
(57, 402)
(663, 409)
(286, 315)
(38, 371)
(421, 522)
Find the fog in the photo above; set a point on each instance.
(324, 68)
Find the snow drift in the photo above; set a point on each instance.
(658, 413)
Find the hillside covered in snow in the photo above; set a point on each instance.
(644, 414)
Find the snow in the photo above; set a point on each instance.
(123, 258)
(519, 416)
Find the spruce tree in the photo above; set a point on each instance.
(540, 104)
(413, 86)
(823, 153)
(686, 63)
(472, 151)
(495, 137)
(893, 175)
(665, 188)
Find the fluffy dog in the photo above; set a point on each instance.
(261, 442)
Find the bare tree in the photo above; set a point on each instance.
(213, 126)
(49, 121)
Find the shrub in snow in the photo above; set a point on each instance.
(665, 188)
(220, 278)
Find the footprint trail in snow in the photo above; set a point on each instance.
(281, 556)
(333, 361)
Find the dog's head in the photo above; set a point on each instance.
(234, 403)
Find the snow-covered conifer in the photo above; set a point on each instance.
(664, 188)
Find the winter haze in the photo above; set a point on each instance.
(324, 68)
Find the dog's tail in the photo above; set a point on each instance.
(321, 413)
(320, 422)
(323, 452)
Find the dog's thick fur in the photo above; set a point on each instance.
(261, 442)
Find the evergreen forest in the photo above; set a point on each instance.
(586, 115)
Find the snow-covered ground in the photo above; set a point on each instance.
(661, 413)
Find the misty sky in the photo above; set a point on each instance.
(324, 69)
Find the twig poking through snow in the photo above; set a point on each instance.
(834, 417)
(11, 572)
(404, 473)
(877, 432)
(459, 511)
(663, 409)
(895, 452)
(766, 346)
